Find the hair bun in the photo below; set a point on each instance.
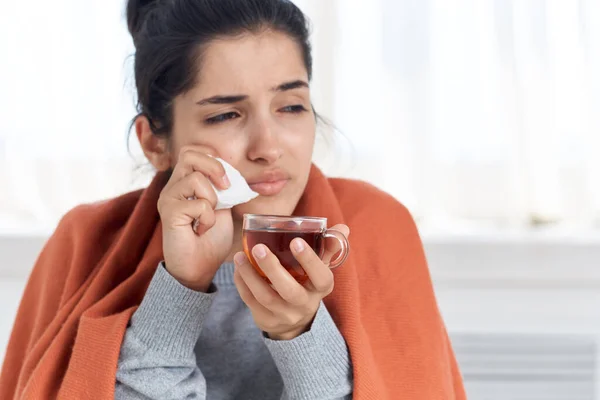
(137, 11)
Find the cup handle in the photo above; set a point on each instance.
(340, 237)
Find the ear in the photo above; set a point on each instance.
(156, 148)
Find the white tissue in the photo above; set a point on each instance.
(238, 193)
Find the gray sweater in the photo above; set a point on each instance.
(183, 344)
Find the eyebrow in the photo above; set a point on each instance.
(231, 99)
(290, 86)
(222, 100)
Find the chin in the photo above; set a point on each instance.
(264, 205)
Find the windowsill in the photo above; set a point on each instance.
(476, 260)
(543, 259)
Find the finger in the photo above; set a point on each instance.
(284, 283)
(204, 221)
(179, 213)
(193, 186)
(318, 272)
(332, 245)
(190, 160)
(248, 298)
(262, 292)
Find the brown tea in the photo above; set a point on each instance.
(278, 241)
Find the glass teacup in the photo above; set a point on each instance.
(277, 233)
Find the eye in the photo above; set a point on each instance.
(222, 117)
(295, 109)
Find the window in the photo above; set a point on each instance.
(472, 112)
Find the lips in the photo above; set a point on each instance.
(269, 183)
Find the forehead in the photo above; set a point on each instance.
(250, 62)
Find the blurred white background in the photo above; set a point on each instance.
(482, 116)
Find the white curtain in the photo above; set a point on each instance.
(474, 113)
(65, 104)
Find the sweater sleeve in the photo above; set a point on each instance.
(316, 364)
(157, 358)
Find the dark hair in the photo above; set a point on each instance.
(170, 36)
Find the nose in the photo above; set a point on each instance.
(264, 146)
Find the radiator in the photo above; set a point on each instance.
(527, 367)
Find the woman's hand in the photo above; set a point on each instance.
(286, 309)
(196, 238)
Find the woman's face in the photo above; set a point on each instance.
(251, 106)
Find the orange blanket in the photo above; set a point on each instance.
(94, 270)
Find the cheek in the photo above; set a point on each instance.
(301, 139)
(228, 146)
(230, 152)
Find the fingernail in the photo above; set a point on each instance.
(298, 245)
(259, 251)
(225, 180)
(239, 258)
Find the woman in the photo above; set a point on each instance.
(128, 300)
